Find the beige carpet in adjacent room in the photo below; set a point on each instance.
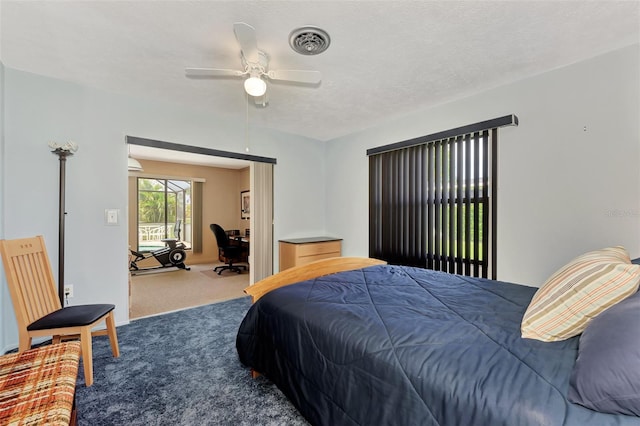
(171, 290)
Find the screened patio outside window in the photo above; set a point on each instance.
(163, 204)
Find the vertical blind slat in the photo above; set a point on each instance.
(450, 204)
(430, 206)
(485, 196)
(467, 204)
(437, 250)
(459, 253)
(444, 206)
(493, 197)
(477, 205)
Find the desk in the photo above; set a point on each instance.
(300, 251)
(244, 242)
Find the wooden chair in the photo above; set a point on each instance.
(37, 305)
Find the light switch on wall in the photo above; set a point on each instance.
(111, 216)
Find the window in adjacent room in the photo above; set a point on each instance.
(164, 211)
(432, 200)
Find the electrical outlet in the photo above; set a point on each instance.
(68, 290)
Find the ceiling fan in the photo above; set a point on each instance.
(256, 67)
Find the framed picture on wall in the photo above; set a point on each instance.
(244, 204)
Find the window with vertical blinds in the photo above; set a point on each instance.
(432, 202)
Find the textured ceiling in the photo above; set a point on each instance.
(386, 58)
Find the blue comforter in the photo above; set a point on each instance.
(392, 345)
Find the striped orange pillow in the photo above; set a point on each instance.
(578, 292)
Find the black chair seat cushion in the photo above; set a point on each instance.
(71, 316)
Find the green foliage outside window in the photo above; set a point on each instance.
(161, 203)
(151, 202)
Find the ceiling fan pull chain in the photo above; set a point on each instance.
(246, 131)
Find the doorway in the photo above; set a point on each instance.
(259, 223)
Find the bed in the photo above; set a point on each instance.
(365, 343)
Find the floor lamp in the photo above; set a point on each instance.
(62, 151)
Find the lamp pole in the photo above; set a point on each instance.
(62, 151)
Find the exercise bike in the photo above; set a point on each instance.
(170, 256)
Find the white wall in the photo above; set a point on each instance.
(39, 110)
(3, 286)
(562, 189)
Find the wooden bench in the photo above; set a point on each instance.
(38, 386)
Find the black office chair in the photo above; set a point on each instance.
(230, 253)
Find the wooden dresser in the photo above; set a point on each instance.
(300, 251)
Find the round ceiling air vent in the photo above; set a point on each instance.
(309, 40)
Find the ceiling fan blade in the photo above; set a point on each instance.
(300, 76)
(246, 36)
(211, 72)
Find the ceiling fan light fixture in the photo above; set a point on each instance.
(255, 86)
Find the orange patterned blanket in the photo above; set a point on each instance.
(38, 386)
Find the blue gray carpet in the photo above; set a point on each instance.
(180, 368)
